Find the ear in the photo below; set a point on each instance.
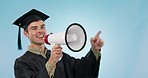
(26, 33)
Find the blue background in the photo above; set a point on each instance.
(124, 26)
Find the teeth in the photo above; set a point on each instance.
(40, 36)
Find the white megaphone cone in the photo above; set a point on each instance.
(74, 37)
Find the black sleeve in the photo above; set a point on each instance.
(87, 67)
(23, 69)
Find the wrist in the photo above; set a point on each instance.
(51, 62)
(95, 50)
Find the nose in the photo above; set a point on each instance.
(40, 30)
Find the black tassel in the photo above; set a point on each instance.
(19, 39)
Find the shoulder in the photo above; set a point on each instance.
(27, 55)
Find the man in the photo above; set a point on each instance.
(39, 62)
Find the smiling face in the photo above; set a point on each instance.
(36, 32)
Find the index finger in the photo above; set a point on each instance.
(98, 33)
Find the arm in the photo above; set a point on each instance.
(89, 66)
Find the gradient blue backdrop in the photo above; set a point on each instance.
(124, 26)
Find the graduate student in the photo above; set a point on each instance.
(40, 62)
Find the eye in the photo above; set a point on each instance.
(34, 28)
(43, 27)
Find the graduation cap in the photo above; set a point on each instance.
(26, 19)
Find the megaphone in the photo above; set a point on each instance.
(74, 37)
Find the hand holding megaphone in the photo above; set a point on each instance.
(56, 54)
(74, 37)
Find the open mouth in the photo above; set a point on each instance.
(40, 36)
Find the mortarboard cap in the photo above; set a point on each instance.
(26, 19)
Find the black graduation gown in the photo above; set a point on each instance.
(32, 65)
